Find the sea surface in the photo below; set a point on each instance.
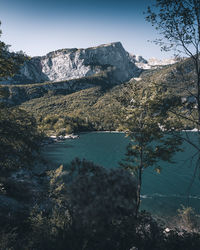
(162, 194)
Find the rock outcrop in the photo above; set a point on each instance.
(68, 64)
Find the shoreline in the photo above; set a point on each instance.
(76, 136)
(54, 138)
(192, 130)
(108, 131)
(62, 137)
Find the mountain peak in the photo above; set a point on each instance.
(110, 60)
(69, 50)
(65, 64)
(114, 44)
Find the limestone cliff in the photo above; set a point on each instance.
(68, 64)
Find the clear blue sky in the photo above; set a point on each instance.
(40, 26)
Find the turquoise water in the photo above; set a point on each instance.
(162, 193)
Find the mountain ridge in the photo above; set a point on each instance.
(73, 63)
(67, 64)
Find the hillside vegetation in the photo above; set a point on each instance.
(90, 109)
(91, 103)
(59, 111)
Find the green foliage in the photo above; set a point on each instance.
(8, 239)
(149, 232)
(178, 23)
(99, 195)
(89, 207)
(85, 110)
(9, 62)
(19, 139)
(62, 125)
(4, 92)
(188, 219)
(100, 204)
(152, 130)
(181, 240)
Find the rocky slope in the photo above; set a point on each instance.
(68, 64)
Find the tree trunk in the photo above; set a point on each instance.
(139, 182)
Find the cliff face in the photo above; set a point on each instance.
(68, 64)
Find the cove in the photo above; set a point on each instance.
(162, 194)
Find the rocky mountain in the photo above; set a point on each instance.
(157, 62)
(137, 59)
(91, 101)
(152, 63)
(68, 64)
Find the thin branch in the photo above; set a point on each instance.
(189, 141)
(184, 117)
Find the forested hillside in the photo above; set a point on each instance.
(62, 110)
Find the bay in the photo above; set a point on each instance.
(162, 194)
